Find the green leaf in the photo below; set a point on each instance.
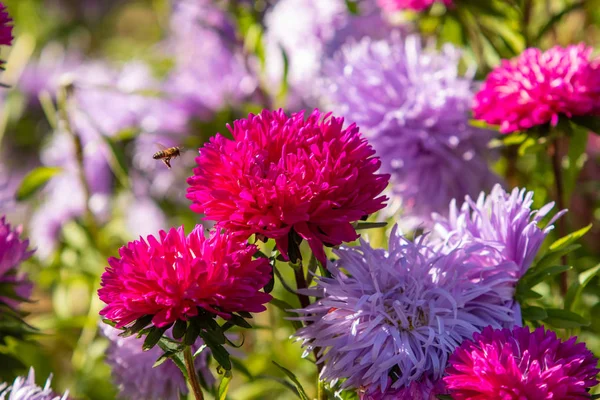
(118, 161)
(179, 329)
(565, 319)
(576, 158)
(444, 397)
(224, 385)
(153, 337)
(369, 225)
(532, 313)
(570, 238)
(175, 356)
(36, 180)
(239, 321)
(140, 324)
(218, 352)
(589, 122)
(295, 380)
(524, 293)
(191, 334)
(284, 306)
(239, 366)
(352, 7)
(556, 18)
(552, 256)
(537, 275)
(577, 287)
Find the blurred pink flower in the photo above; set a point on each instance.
(13, 251)
(518, 364)
(174, 275)
(282, 175)
(6, 36)
(416, 5)
(537, 87)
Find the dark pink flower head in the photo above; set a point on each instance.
(6, 36)
(537, 87)
(416, 5)
(171, 277)
(282, 175)
(13, 251)
(520, 365)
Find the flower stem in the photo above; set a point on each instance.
(192, 374)
(321, 394)
(560, 201)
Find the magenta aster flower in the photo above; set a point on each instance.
(518, 364)
(416, 5)
(281, 176)
(387, 321)
(13, 251)
(174, 275)
(537, 87)
(6, 36)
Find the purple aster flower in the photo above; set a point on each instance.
(310, 31)
(414, 107)
(518, 364)
(13, 251)
(389, 320)
(501, 220)
(133, 372)
(26, 389)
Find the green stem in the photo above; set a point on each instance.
(192, 374)
(560, 201)
(321, 393)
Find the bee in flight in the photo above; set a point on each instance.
(166, 153)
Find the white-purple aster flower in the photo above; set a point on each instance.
(504, 221)
(414, 107)
(310, 31)
(133, 372)
(390, 319)
(26, 389)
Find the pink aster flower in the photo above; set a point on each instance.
(173, 276)
(13, 251)
(537, 87)
(284, 175)
(416, 5)
(6, 36)
(518, 364)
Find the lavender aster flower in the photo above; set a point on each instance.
(26, 389)
(502, 220)
(310, 31)
(390, 319)
(134, 375)
(13, 251)
(414, 107)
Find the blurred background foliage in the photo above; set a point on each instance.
(65, 312)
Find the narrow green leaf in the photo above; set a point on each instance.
(239, 366)
(179, 329)
(538, 275)
(589, 122)
(218, 352)
(118, 161)
(176, 357)
(36, 180)
(564, 319)
(369, 225)
(524, 293)
(224, 385)
(556, 18)
(153, 337)
(140, 324)
(551, 257)
(284, 306)
(200, 350)
(534, 313)
(570, 238)
(191, 334)
(577, 288)
(239, 321)
(295, 380)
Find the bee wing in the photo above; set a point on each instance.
(160, 146)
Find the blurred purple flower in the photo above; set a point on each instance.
(504, 221)
(210, 71)
(309, 31)
(398, 314)
(134, 374)
(26, 389)
(13, 251)
(414, 107)
(144, 217)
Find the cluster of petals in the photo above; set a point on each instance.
(13, 251)
(6, 36)
(133, 370)
(501, 220)
(281, 173)
(416, 5)
(538, 87)
(519, 364)
(26, 389)
(398, 314)
(171, 276)
(413, 105)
